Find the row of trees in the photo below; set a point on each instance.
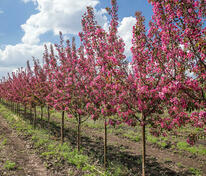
(164, 86)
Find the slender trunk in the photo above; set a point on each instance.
(62, 128)
(34, 120)
(18, 109)
(42, 112)
(143, 146)
(25, 110)
(30, 114)
(15, 108)
(105, 143)
(48, 114)
(79, 133)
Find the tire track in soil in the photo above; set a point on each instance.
(17, 150)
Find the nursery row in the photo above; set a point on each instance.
(163, 87)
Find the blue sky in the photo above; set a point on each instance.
(25, 25)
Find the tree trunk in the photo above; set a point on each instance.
(48, 114)
(18, 109)
(79, 133)
(42, 112)
(62, 128)
(143, 146)
(15, 108)
(34, 120)
(25, 110)
(31, 110)
(105, 143)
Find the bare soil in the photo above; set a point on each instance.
(120, 150)
(18, 151)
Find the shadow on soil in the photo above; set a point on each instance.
(94, 149)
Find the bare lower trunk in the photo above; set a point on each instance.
(143, 147)
(17, 108)
(34, 120)
(79, 133)
(25, 110)
(31, 111)
(48, 114)
(105, 143)
(42, 112)
(62, 128)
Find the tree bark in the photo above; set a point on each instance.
(105, 143)
(42, 112)
(79, 133)
(34, 120)
(25, 110)
(18, 109)
(48, 114)
(62, 128)
(143, 146)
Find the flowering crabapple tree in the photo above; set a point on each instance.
(141, 98)
(168, 68)
(76, 67)
(41, 85)
(105, 51)
(183, 33)
(68, 79)
(56, 76)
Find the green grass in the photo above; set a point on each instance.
(195, 171)
(4, 141)
(180, 165)
(9, 165)
(152, 139)
(193, 149)
(132, 135)
(135, 135)
(54, 150)
(49, 148)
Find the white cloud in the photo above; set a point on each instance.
(15, 56)
(102, 19)
(1, 11)
(56, 15)
(125, 31)
(26, 1)
(4, 71)
(53, 15)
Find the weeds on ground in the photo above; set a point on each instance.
(9, 165)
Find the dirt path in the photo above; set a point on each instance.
(159, 161)
(163, 156)
(17, 150)
(123, 150)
